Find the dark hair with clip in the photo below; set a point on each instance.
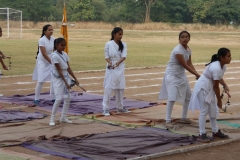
(43, 30)
(222, 52)
(57, 41)
(114, 31)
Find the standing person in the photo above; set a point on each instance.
(115, 54)
(205, 89)
(42, 71)
(2, 56)
(175, 85)
(61, 80)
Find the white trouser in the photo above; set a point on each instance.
(107, 95)
(170, 107)
(57, 102)
(206, 109)
(38, 90)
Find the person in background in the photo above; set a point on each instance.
(43, 68)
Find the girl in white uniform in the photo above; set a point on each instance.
(175, 86)
(42, 71)
(205, 89)
(61, 80)
(115, 54)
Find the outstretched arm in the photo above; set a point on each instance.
(186, 65)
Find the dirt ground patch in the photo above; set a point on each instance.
(142, 84)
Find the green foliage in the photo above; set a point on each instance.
(224, 11)
(134, 11)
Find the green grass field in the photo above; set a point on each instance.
(145, 48)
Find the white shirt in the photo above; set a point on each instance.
(174, 67)
(62, 60)
(205, 84)
(48, 44)
(114, 78)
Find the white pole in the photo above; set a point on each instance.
(8, 21)
(21, 25)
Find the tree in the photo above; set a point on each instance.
(32, 10)
(199, 8)
(148, 4)
(224, 12)
(174, 11)
(81, 10)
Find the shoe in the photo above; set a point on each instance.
(52, 122)
(184, 121)
(168, 124)
(36, 102)
(204, 138)
(65, 120)
(106, 112)
(219, 134)
(123, 110)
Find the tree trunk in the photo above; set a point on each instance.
(148, 4)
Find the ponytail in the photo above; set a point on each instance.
(213, 59)
(114, 31)
(222, 52)
(54, 44)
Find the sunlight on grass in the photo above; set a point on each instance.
(145, 48)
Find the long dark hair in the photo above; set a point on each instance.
(43, 30)
(182, 33)
(57, 41)
(222, 52)
(114, 31)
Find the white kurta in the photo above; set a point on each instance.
(42, 70)
(59, 86)
(114, 78)
(175, 86)
(205, 85)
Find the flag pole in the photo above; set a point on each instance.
(64, 29)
